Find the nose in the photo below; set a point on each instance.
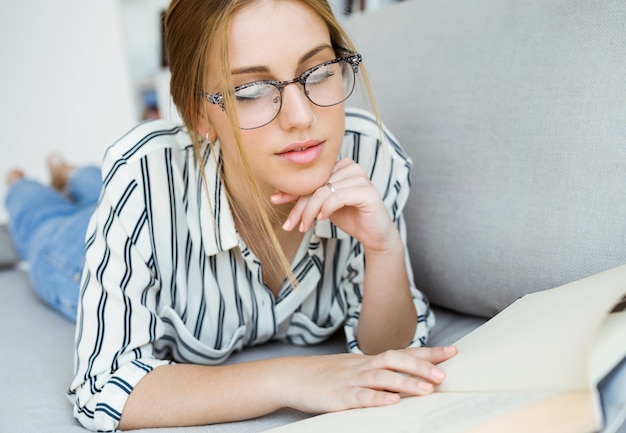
(296, 109)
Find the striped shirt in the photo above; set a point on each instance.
(168, 279)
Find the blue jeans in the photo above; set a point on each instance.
(48, 230)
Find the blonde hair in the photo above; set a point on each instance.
(196, 33)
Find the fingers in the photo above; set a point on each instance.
(398, 383)
(373, 398)
(418, 365)
(348, 186)
(397, 373)
(346, 381)
(282, 198)
(433, 354)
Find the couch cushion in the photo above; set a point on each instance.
(36, 366)
(515, 116)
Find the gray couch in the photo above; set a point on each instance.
(515, 116)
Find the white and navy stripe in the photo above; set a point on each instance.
(168, 279)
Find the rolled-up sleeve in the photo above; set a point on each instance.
(117, 322)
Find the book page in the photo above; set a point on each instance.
(527, 369)
(568, 412)
(542, 341)
(436, 413)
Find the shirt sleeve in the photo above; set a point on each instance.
(390, 168)
(117, 321)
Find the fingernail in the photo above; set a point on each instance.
(392, 398)
(302, 230)
(449, 349)
(437, 374)
(287, 226)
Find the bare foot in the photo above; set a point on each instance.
(59, 171)
(15, 175)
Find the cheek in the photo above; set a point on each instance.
(220, 122)
(334, 119)
(223, 131)
(335, 114)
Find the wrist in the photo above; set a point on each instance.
(391, 244)
(285, 378)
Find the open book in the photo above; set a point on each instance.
(532, 368)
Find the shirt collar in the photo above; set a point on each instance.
(216, 219)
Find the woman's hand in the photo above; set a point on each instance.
(346, 381)
(353, 204)
(176, 394)
(388, 316)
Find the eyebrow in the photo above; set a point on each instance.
(260, 69)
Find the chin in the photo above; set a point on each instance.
(303, 181)
(306, 185)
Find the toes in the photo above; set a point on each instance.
(15, 175)
(59, 171)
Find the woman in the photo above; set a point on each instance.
(251, 223)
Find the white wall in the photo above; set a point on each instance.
(71, 77)
(141, 28)
(65, 84)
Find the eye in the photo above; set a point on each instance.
(321, 74)
(253, 92)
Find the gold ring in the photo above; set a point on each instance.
(331, 187)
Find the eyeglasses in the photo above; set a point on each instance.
(327, 84)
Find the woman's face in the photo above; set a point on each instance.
(295, 153)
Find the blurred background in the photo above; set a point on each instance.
(77, 74)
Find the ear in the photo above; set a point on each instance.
(205, 129)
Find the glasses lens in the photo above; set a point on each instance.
(257, 104)
(330, 84)
(325, 85)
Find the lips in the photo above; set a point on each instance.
(302, 152)
(299, 146)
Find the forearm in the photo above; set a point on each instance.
(187, 394)
(184, 394)
(388, 316)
